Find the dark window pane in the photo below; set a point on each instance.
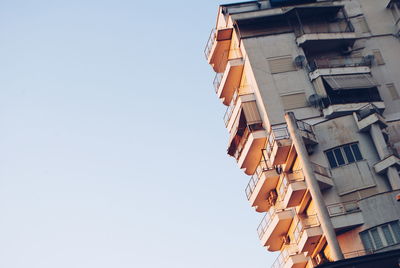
(396, 230)
(339, 156)
(349, 154)
(356, 152)
(331, 159)
(377, 238)
(366, 240)
(388, 235)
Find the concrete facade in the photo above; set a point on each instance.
(312, 90)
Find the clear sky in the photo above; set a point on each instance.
(112, 143)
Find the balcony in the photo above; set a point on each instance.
(369, 115)
(233, 111)
(227, 82)
(290, 257)
(292, 189)
(323, 175)
(278, 145)
(345, 215)
(339, 66)
(261, 187)
(307, 233)
(273, 226)
(218, 42)
(307, 132)
(323, 28)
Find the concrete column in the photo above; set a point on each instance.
(315, 191)
(382, 149)
(379, 141)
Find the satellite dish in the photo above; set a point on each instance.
(315, 100)
(299, 61)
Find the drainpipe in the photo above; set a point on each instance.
(315, 191)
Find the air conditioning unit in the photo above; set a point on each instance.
(286, 240)
(272, 196)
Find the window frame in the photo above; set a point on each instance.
(348, 155)
(382, 236)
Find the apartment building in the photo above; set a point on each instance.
(311, 90)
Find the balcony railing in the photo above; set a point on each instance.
(343, 208)
(229, 110)
(210, 42)
(339, 62)
(263, 166)
(287, 179)
(304, 223)
(323, 171)
(282, 258)
(306, 131)
(276, 133)
(246, 133)
(267, 219)
(217, 81)
(342, 25)
(357, 253)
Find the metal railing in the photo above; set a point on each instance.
(323, 171)
(217, 81)
(304, 223)
(236, 94)
(343, 208)
(338, 62)
(267, 219)
(210, 42)
(289, 250)
(262, 166)
(306, 130)
(357, 253)
(276, 133)
(287, 179)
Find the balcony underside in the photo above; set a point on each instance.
(278, 227)
(267, 183)
(294, 194)
(252, 151)
(317, 42)
(231, 80)
(309, 239)
(347, 221)
(218, 56)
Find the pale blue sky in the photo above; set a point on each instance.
(112, 143)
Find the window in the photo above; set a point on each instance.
(343, 155)
(381, 236)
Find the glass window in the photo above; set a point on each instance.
(377, 238)
(339, 156)
(366, 240)
(349, 154)
(331, 159)
(356, 152)
(396, 230)
(388, 235)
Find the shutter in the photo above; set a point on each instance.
(393, 91)
(378, 56)
(342, 82)
(362, 22)
(251, 112)
(281, 65)
(294, 101)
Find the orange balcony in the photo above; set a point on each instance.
(307, 233)
(278, 144)
(273, 226)
(292, 189)
(290, 257)
(227, 82)
(260, 190)
(218, 43)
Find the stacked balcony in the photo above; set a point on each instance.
(323, 175)
(290, 257)
(292, 189)
(345, 215)
(274, 226)
(248, 135)
(227, 82)
(260, 190)
(218, 42)
(323, 28)
(307, 233)
(278, 145)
